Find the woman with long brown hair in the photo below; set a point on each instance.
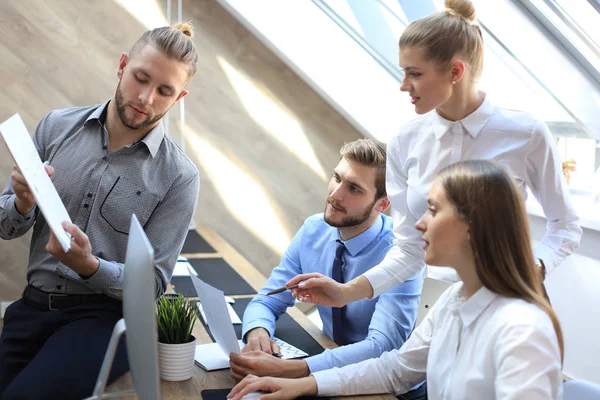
(491, 336)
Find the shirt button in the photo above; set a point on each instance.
(89, 195)
(86, 205)
(138, 192)
(105, 158)
(104, 147)
(58, 287)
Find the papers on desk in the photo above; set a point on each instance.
(217, 317)
(26, 156)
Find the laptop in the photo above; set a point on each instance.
(432, 290)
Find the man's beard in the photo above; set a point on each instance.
(350, 220)
(123, 117)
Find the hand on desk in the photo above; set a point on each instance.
(276, 388)
(263, 364)
(259, 339)
(79, 258)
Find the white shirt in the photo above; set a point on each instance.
(488, 347)
(515, 139)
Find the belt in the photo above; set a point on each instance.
(57, 301)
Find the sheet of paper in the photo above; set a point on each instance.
(210, 356)
(217, 316)
(235, 319)
(21, 147)
(183, 268)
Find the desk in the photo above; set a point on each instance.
(201, 379)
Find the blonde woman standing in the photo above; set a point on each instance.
(442, 58)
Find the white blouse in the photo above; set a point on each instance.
(488, 347)
(515, 139)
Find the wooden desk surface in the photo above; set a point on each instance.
(202, 379)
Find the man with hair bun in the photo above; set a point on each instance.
(107, 162)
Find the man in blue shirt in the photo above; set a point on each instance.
(353, 233)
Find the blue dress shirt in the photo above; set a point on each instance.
(373, 326)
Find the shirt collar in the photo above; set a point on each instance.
(473, 123)
(152, 140)
(471, 309)
(359, 242)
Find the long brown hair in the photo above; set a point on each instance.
(449, 33)
(487, 199)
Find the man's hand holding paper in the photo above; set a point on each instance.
(25, 200)
(35, 177)
(79, 257)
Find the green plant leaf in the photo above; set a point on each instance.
(175, 318)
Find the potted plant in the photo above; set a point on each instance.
(175, 317)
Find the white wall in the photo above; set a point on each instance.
(346, 76)
(574, 292)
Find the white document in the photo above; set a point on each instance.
(217, 316)
(183, 268)
(232, 314)
(210, 356)
(26, 156)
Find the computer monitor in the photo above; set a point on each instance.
(139, 295)
(139, 319)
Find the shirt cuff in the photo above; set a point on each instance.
(317, 363)
(108, 275)
(255, 324)
(380, 280)
(545, 253)
(17, 220)
(328, 383)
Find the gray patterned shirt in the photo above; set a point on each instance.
(151, 178)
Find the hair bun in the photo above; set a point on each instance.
(461, 8)
(185, 28)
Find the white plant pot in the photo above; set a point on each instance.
(176, 361)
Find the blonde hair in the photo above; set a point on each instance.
(173, 41)
(483, 195)
(449, 33)
(371, 153)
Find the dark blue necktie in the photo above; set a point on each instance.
(337, 314)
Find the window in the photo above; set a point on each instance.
(524, 69)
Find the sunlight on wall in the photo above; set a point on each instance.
(243, 197)
(148, 13)
(273, 119)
